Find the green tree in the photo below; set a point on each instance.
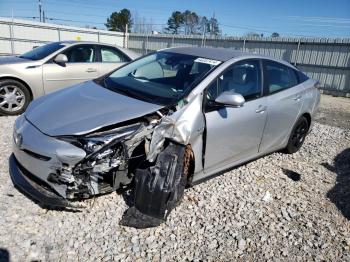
(203, 25)
(191, 22)
(275, 34)
(213, 27)
(118, 21)
(175, 22)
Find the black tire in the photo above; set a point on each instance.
(297, 137)
(19, 101)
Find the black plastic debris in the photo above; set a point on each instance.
(158, 189)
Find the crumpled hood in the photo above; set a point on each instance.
(84, 108)
(12, 60)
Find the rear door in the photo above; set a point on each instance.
(110, 58)
(284, 101)
(81, 66)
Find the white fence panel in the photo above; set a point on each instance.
(18, 36)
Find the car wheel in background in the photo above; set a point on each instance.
(14, 97)
(297, 136)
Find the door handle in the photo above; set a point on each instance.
(261, 109)
(297, 97)
(91, 70)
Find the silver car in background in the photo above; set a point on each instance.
(53, 66)
(169, 119)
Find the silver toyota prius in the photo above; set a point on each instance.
(165, 121)
(54, 66)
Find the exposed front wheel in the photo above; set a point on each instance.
(14, 97)
(298, 135)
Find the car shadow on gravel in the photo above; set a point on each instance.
(340, 193)
(4, 255)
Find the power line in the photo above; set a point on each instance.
(59, 19)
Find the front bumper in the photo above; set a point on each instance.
(42, 155)
(27, 183)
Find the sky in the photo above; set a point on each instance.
(320, 18)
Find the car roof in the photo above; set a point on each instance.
(131, 54)
(221, 54)
(72, 42)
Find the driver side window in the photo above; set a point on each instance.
(242, 78)
(80, 54)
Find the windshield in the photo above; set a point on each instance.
(162, 78)
(42, 51)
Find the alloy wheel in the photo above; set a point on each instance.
(12, 98)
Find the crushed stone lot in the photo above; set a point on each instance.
(279, 207)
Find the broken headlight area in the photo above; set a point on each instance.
(106, 166)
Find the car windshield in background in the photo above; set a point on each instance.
(162, 78)
(42, 51)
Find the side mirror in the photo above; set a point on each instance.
(61, 59)
(232, 99)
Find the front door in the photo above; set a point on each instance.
(81, 66)
(234, 134)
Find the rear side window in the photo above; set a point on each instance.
(110, 54)
(278, 77)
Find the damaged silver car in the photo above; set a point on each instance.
(168, 120)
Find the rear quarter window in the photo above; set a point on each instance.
(301, 76)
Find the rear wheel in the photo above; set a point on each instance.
(14, 97)
(298, 135)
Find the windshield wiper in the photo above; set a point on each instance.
(126, 92)
(138, 77)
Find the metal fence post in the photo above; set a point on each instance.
(11, 39)
(244, 44)
(126, 33)
(297, 54)
(59, 34)
(173, 41)
(98, 36)
(146, 46)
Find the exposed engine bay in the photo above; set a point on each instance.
(112, 156)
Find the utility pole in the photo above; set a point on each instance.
(40, 10)
(43, 16)
(126, 35)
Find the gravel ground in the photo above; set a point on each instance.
(280, 207)
(334, 111)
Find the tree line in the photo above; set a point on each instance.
(190, 23)
(186, 22)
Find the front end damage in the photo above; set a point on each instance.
(154, 151)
